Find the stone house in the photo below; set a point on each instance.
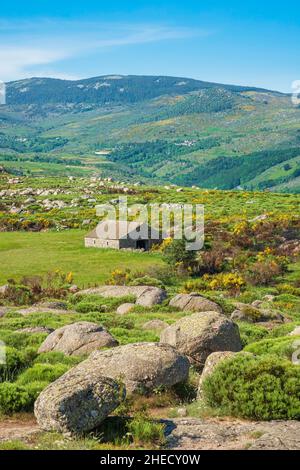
(123, 235)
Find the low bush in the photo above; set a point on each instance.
(262, 388)
(288, 289)
(33, 288)
(18, 294)
(15, 362)
(85, 307)
(266, 269)
(281, 346)
(283, 330)
(97, 303)
(145, 431)
(42, 373)
(125, 336)
(251, 333)
(21, 340)
(56, 357)
(146, 281)
(15, 397)
(13, 445)
(231, 282)
(212, 261)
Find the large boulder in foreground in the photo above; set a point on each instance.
(202, 333)
(194, 303)
(141, 367)
(78, 338)
(210, 364)
(77, 402)
(147, 296)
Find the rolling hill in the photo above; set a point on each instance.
(152, 129)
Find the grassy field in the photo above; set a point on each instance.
(37, 253)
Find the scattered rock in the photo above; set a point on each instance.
(157, 325)
(211, 362)
(252, 314)
(295, 332)
(125, 308)
(259, 218)
(77, 402)
(145, 295)
(194, 303)
(79, 338)
(36, 329)
(73, 289)
(140, 366)
(4, 310)
(182, 412)
(202, 333)
(39, 309)
(269, 298)
(4, 289)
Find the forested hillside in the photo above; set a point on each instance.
(159, 129)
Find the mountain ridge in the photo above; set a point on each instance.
(109, 88)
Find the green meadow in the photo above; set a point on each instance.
(27, 253)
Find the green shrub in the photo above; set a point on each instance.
(15, 362)
(34, 389)
(21, 340)
(176, 253)
(42, 372)
(125, 336)
(97, 303)
(110, 320)
(145, 431)
(251, 333)
(85, 307)
(56, 357)
(13, 445)
(281, 346)
(18, 294)
(147, 281)
(15, 397)
(263, 388)
(282, 330)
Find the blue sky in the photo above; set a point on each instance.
(253, 43)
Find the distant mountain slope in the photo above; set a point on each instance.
(154, 129)
(106, 89)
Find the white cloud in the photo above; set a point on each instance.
(16, 61)
(26, 46)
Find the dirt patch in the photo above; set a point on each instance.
(23, 428)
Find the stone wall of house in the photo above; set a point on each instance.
(123, 243)
(100, 243)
